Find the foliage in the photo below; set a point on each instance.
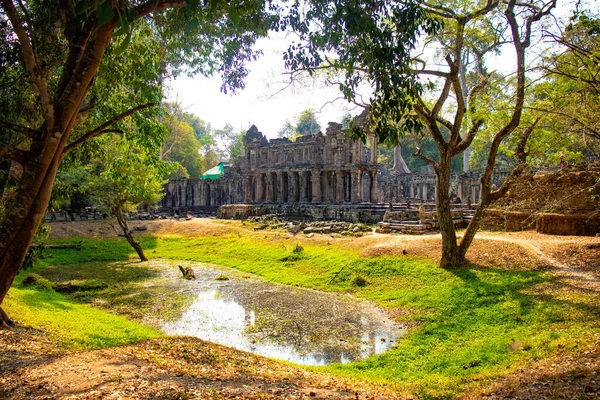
(287, 130)
(237, 145)
(307, 123)
(181, 146)
(35, 253)
(445, 95)
(211, 158)
(410, 144)
(231, 142)
(84, 68)
(127, 177)
(367, 41)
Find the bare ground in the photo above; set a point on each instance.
(179, 367)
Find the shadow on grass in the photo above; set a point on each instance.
(105, 249)
(521, 288)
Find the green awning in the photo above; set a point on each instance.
(215, 172)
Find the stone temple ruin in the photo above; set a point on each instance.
(322, 176)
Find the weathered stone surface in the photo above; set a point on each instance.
(561, 224)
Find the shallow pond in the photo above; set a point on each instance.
(299, 325)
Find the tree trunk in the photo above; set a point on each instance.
(451, 255)
(135, 244)
(25, 210)
(4, 320)
(400, 166)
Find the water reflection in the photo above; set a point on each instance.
(302, 326)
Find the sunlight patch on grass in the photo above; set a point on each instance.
(72, 325)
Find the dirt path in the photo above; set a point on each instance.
(168, 368)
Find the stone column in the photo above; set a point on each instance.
(269, 187)
(373, 188)
(329, 185)
(339, 186)
(424, 192)
(460, 193)
(302, 186)
(292, 187)
(281, 186)
(260, 190)
(373, 150)
(248, 190)
(355, 187)
(316, 185)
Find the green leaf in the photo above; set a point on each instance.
(234, 15)
(124, 44)
(132, 14)
(105, 13)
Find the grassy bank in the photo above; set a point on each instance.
(466, 325)
(69, 323)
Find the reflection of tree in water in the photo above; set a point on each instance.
(328, 327)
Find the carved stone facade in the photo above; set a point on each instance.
(321, 168)
(318, 168)
(325, 168)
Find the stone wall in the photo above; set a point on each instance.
(312, 212)
(574, 224)
(511, 221)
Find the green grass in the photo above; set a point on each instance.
(70, 324)
(462, 321)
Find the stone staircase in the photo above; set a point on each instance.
(417, 222)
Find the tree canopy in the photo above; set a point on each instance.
(72, 71)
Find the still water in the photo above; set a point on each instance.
(299, 325)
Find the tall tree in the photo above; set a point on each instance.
(307, 123)
(287, 130)
(375, 41)
(181, 145)
(125, 177)
(55, 53)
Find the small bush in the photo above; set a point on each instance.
(222, 278)
(37, 281)
(358, 281)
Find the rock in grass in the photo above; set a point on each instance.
(187, 273)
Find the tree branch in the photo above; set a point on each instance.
(10, 153)
(151, 6)
(102, 129)
(466, 142)
(72, 146)
(18, 128)
(521, 163)
(423, 157)
(31, 63)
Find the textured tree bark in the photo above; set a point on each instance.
(25, 213)
(451, 257)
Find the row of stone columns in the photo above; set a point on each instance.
(420, 191)
(313, 185)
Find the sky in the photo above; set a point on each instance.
(265, 103)
(262, 102)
